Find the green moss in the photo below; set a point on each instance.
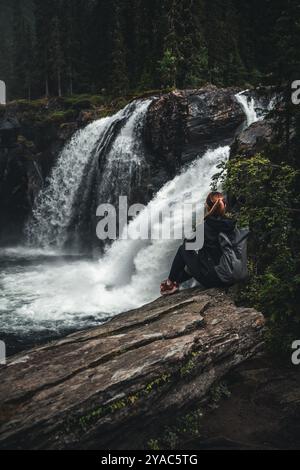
(157, 383)
(28, 105)
(26, 143)
(61, 116)
(77, 100)
(153, 444)
(87, 420)
(184, 428)
(57, 111)
(190, 365)
(217, 393)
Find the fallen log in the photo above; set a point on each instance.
(99, 388)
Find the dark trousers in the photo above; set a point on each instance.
(178, 271)
(188, 264)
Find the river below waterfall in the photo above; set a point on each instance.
(45, 295)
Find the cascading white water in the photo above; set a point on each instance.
(56, 205)
(134, 268)
(248, 105)
(71, 295)
(125, 159)
(53, 294)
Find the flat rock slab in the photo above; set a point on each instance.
(94, 388)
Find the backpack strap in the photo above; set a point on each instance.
(246, 235)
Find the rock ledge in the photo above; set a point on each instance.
(94, 389)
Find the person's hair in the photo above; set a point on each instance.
(210, 204)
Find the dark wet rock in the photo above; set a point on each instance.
(261, 411)
(166, 131)
(184, 124)
(103, 387)
(9, 130)
(213, 119)
(32, 134)
(254, 139)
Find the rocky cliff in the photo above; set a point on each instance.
(31, 136)
(109, 387)
(184, 124)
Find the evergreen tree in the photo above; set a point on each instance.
(90, 45)
(28, 61)
(22, 54)
(167, 68)
(5, 59)
(193, 65)
(44, 12)
(99, 52)
(287, 39)
(143, 44)
(119, 74)
(56, 54)
(168, 63)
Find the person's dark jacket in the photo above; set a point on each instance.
(202, 265)
(213, 226)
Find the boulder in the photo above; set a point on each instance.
(184, 124)
(9, 130)
(214, 117)
(105, 387)
(254, 139)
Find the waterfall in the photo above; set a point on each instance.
(131, 270)
(101, 162)
(125, 159)
(69, 295)
(65, 205)
(53, 206)
(248, 105)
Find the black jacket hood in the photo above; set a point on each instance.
(221, 224)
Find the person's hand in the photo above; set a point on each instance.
(221, 203)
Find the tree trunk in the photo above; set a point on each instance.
(59, 83)
(47, 87)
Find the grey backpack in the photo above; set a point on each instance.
(232, 267)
